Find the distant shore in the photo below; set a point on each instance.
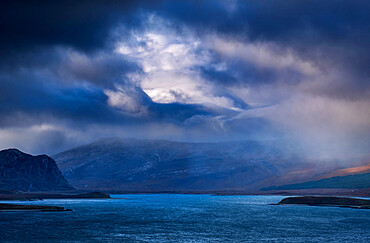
(327, 202)
(303, 192)
(31, 196)
(42, 195)
(18, 196)
(17, 207)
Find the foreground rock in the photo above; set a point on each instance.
(17, 207)
(328, 202)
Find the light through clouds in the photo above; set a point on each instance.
(191, 71)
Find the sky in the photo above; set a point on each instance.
(72, 72)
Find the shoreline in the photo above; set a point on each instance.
(17, 196)
(6, 207)
(305, 192)
(41, 196)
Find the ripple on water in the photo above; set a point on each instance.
(186, 218)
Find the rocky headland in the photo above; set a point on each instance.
(26, 173)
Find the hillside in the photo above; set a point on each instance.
(363, 169)
(358, 181)
(158, 165)
(23, 172)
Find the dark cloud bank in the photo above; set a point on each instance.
(75, 71)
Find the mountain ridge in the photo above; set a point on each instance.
(121, 164)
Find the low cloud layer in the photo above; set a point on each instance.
(290, 71)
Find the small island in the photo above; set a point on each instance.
(39, 208)
(23, 196)
(13, 196)
(327, 201)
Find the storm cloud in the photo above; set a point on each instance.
(75, 71)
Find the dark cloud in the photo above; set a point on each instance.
(33, 99)
(84, 25)
(337, 21)
(101, 69)
(37, 97)
(330, 33)
(333, 30)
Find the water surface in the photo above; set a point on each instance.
(185, 218)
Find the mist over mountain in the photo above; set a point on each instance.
(201, 71)
(23, 172)
(117, 164)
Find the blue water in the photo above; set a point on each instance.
(185, 218)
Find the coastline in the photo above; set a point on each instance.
(6, 207)
(18, 196)
(303, 192)
(40, 196)
(343, 202)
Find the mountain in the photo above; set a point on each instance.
(357, 181)
(23, 172)
(158, 165)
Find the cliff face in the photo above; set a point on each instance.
(23, 172)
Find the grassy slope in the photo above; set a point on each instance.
(359, 181)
